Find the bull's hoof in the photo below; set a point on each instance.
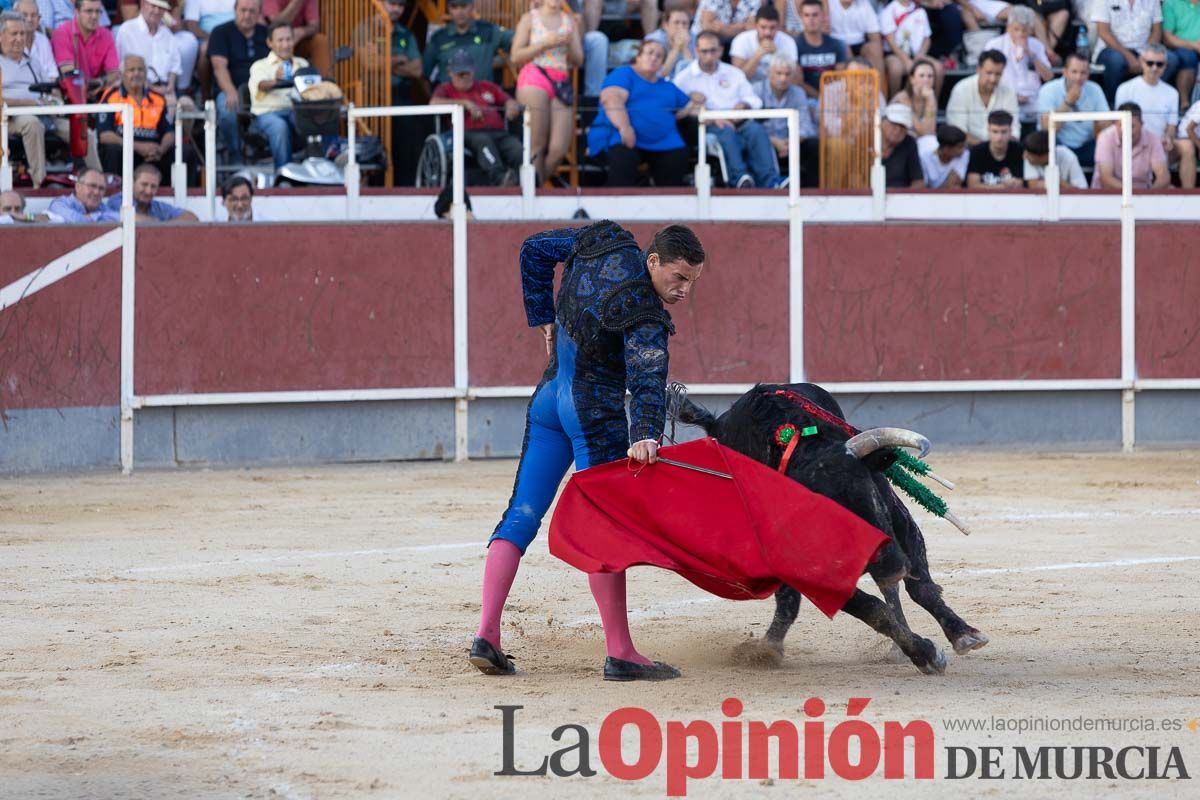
(969, 641)
(935, 667)
(759, 653)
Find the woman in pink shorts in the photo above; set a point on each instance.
(547, 43)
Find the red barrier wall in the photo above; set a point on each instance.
(345, 306)
(1168, 308)
(907, 302)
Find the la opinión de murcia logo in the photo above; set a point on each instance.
(852, 749)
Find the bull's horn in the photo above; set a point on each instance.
(958, 523)
(868, 442)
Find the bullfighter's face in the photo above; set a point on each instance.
(673, 280)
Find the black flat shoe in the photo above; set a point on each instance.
(489, 660)
(617, 670)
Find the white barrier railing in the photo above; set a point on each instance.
(1128, 242)
(179, 169)
(96, 249)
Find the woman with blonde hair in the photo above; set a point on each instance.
(547, 44)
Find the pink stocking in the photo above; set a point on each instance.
(503, 558)
(609, 590)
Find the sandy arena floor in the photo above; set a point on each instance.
(301, 633)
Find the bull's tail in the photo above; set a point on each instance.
(680, 408)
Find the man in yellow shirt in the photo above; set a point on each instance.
(271, 105)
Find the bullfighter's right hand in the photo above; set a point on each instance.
(644, 452)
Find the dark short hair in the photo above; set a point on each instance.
(767, 11)
(1132, 108)
(707, 34)
(994, 56)
(1000, 117)
(804, 3)
(675, 6)
(677, 243)
(1038, 143)
(235, 182)
(950, 136)
(1076, 55)
(147, 167)
(276, 25)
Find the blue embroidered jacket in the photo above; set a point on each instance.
(609, 308)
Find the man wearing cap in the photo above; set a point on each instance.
(480, 38)
(901, 160)
(271, 104)
(488, 107)
(147, 36)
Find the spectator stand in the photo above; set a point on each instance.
(1128, 354)
(361, 33)
(122, 238)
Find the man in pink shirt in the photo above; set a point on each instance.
(82, 44)
(305, 20)
(1149, 160)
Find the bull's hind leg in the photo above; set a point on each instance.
(879, 616)
(768, 651)
(920, 585)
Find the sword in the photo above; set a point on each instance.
(705, 470)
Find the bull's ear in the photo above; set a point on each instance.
(881, 459)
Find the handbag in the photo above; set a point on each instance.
(562, 89)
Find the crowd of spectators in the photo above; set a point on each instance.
(985, 131)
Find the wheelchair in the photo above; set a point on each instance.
(433, 164)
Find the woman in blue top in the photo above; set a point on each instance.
(637, 121)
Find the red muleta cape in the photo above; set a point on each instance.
(738, 538)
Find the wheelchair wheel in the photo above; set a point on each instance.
(433, 165)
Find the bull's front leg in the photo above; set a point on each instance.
(879, 616)
(787, 606)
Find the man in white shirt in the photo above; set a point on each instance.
(1037, 157)
(753, 51)
(37, 44)
(748, 152)
(857, 25)
(973, 98)
(147, 36)
(945, 167)
(1159, 102)
(1124, 28)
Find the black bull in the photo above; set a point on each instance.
(823, 464)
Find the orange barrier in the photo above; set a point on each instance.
(849, 100)
(363, 26)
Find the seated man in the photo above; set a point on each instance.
(272, 105)
(1149, 163)
(37, 43)
(237, 199)
(945, 167)
(753, 51)
(1073, 92)
(18, 74)
(86, 203)
(153, 136)
(778, 91)
(1181, 32)
(12, 210)
(856, 23)
(305, 18)
(1037, 156)
(996, 163)
(973, 99)
(146, 180)
(1159, 103)
(482, 39)
(146, 35)
(748, 151)
(901, 162)
(1124, 29)
(233, 47)
(57, 12)
(488, 107)
(83, 46)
